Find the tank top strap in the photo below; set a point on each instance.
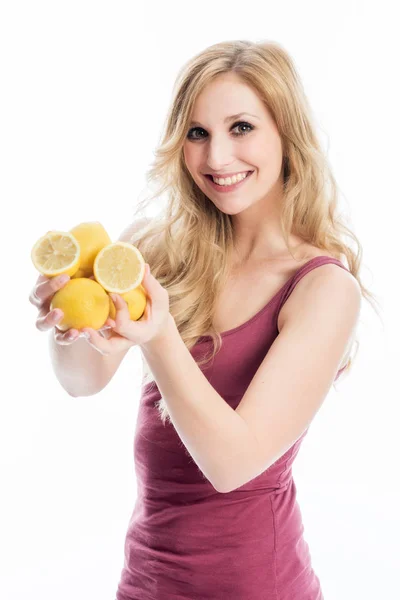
(315, 262)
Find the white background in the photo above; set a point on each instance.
(85, 87)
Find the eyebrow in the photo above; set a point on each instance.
(231, 118)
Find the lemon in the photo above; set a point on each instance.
(56, 253)
(80, 273)
(136, 300)
(119, 267)
(84, 304)
(92, 237)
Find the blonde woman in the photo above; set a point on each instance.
(254, 299)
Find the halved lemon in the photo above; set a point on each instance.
(119, 267)
(56, 253)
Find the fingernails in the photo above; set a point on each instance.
(57, 314)
(63, 279)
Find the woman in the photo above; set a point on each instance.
(251, 317)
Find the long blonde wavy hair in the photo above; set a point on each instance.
(188, 245)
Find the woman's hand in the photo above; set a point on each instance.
(41, 296)
(124, 332)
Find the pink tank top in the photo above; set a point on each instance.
(186, 541)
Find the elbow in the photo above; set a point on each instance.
(233, 481)
(227, 486)
(224, 487)
(82, 393)
(85, 388)
(72, 394)
(221, 490)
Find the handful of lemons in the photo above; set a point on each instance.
(87, 251)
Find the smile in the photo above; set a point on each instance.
(227, 188)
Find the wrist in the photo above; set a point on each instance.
(161, 341)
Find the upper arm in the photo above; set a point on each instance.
(296, 374)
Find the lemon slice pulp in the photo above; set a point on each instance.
(56, 253)
(119, 267)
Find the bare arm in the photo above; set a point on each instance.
(80, 368)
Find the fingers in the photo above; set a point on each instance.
(96, 340)
(45, 288)
(122, 322)
(121, 310)
(108, 324)
(112, 344)
(104, 332)
(120, 304)
(46, 320)
(41, 295)
(50, 320)
(66, 338)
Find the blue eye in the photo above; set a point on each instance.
(234, 126)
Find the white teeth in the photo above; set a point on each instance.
(230, 180)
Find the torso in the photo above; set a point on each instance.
(248, 291)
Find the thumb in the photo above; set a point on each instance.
(148, 279)
(151, 284)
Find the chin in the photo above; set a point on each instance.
(229, 208)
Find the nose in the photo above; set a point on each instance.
(219, 153)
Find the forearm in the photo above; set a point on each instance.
(80, 369)
(216, 436)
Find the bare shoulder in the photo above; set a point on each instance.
(329, 276)
(326, 286)
(128, 232)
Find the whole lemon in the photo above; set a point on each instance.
(136, 300)
(80, 273)
(84, 304)
(92, 237)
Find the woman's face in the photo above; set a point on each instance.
(219, 145)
